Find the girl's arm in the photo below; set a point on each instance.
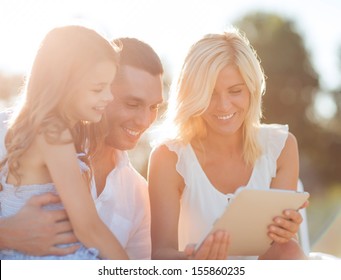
(63, 166)
(165, 187)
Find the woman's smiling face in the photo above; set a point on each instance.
(229, 103)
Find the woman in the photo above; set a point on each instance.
(217, 145)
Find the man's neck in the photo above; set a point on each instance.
(103, 163)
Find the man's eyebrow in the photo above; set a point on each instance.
(133, 98)
(140, 100)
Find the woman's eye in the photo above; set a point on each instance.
(235, 92)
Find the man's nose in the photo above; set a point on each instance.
(144, 118)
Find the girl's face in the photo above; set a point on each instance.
(90, 98)
(229, 103)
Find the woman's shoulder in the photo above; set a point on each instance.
(273, 128)
(166, 150)
(172, 154)
(274, 137)
(270, 133)
(277, 131)
(169, 147)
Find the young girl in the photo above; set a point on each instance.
(219, 145)
(67, 89)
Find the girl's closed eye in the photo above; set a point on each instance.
(97, 90)
(99, 87)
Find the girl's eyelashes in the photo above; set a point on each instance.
(97, 90)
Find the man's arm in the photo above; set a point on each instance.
(36, 231)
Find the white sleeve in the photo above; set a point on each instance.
(273, 138)
(139, 242)
(4, 115)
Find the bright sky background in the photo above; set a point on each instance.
(170, 26)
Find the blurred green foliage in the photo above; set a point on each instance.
(292, 86)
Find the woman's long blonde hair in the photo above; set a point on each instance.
(191, 94)
(64, 56)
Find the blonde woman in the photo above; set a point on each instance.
(68, 89)
(217, 145)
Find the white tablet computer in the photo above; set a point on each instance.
(249, 214)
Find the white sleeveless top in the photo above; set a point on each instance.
(201, 203)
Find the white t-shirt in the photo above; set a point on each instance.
(123, 205)
(201, 203)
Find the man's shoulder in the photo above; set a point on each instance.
(127, 183)
(136, 176)
(127, 172)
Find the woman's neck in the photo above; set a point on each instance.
(222, 144)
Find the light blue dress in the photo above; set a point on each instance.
(13, 198)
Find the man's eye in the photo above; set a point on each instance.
(132, 105)
(155, 107)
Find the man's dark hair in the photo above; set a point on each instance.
(140, 55)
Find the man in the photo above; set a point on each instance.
(120, 193)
